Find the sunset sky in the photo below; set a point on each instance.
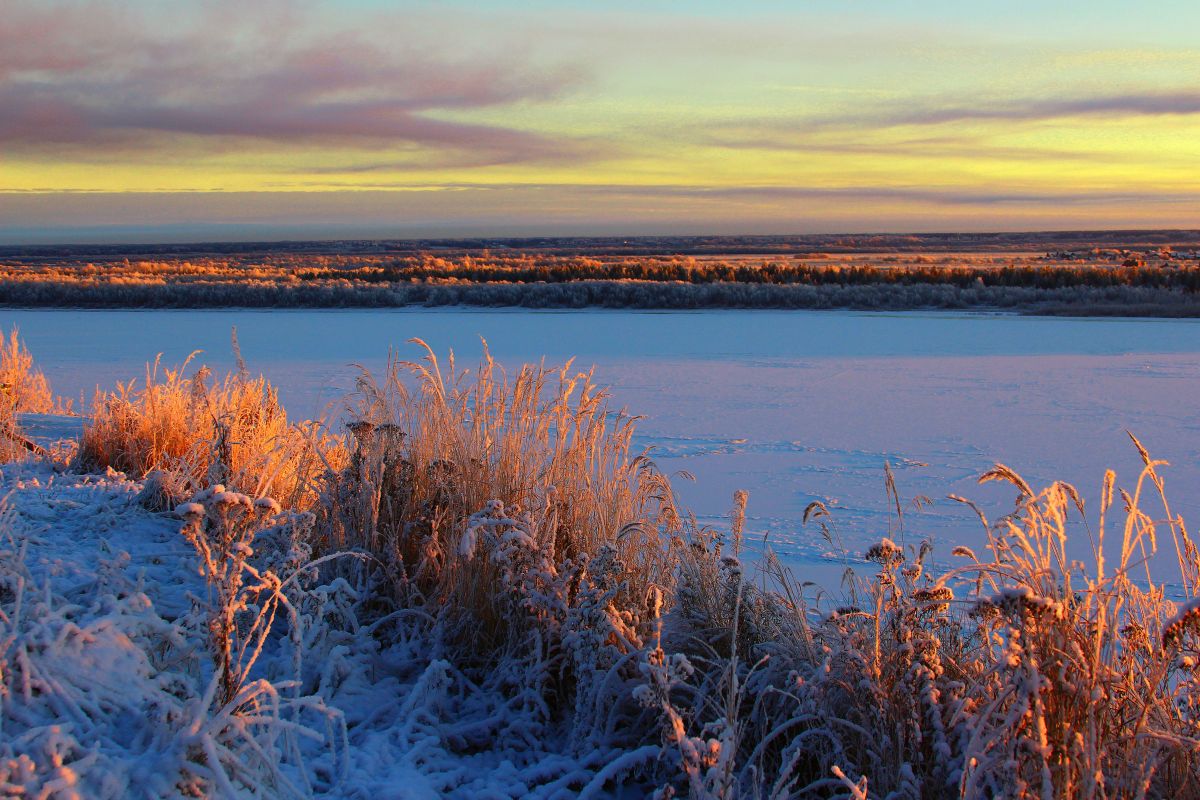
(176, 120)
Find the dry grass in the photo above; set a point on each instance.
(513, 526)
(467, 483)
(23, 386)
(23, 389)
(187, 432)
(1021, 674)
(511, 511)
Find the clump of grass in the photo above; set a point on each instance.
(511, 512)
(429, 456)
(23, 390)
(1022, 674)
(511, 509)
(185, 432)
(23, 386)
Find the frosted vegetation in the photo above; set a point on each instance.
(1161, 285)
(479, 589)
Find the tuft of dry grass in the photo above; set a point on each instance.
(23, 390)
(184, 433)
(492, 495)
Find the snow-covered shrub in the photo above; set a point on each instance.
(189, 432)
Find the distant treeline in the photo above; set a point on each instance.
(1102, 283)
(1117, 299)
(1186, 278)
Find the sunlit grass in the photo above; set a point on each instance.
(187, 431)
(502, 520)
(23, 390)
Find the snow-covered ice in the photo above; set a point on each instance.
(792, 406)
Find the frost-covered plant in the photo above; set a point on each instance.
(709, 760)
(1066, 694)
(83, 680)
(238, 616)
(102, 698)
(1076, 697)
(1020, 675)
(242, 600)
(602, 642)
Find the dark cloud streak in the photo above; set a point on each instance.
(932, 111)
(769, 137)
(934, 196)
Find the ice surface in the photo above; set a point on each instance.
(792, 406)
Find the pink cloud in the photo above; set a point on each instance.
(89, 75)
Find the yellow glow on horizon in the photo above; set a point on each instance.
(667, 111)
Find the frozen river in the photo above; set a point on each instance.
(792, 406)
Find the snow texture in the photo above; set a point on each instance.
(108, 692)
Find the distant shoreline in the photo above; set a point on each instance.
(1065, 301)
(1130, 273)
(641, 245)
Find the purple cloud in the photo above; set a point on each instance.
(945, 196)
(1150, 103)
(770, 136)
(932, 195)
(84, 76)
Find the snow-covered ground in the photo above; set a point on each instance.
(792, 406)
(108, 673)
(109, 664)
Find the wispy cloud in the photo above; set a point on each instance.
(945, 196)
(939, 111)
(570, 209)
(785, 137)
(88, 75)
(778, 196)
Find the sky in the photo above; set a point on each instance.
(172, 120)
